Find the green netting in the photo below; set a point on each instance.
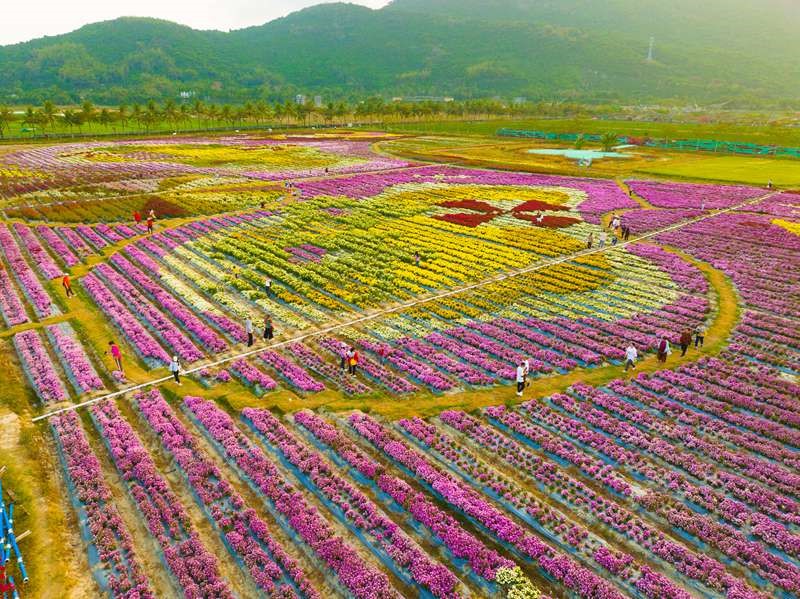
(702, 145)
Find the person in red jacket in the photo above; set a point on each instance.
(65, 282)
(686, 341)
(353, 363)
(137, 217)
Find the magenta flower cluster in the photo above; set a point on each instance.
(123, 574)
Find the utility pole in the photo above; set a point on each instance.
(650, 50)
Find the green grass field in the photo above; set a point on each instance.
(784, 136)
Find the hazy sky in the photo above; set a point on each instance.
(34, 18)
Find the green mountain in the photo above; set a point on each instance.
(739, 51)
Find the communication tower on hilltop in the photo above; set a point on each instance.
(650, 50)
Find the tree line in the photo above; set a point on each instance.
(87, 117)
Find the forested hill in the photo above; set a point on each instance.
(739, 51)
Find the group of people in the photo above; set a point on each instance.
(151, 217)
(349, 359)
(619, 232)
(664, 349)
(269, 330)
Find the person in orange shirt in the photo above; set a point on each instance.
(65, 282)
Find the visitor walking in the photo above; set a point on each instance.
(686, 341)
(527, 364)
(269, 331)
(615, 223)
(769, 184)
(175, 369)
(345, 357)
(149, 225)
(417, 258)
(268, 286)
(631, 355)
(614, 239)
(116, 354)
(664, 349)
(626, 232)
(699, 335)
(602, 239)
(137, 218)
(248, 328)
(65, 282)
(590, 241)
(520, 379)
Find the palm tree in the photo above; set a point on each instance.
(608, 141)
(136, 113)
(87, 111)
(49, 112)
(105, 117)
(6, 116)
(170, 112)
(122, 115)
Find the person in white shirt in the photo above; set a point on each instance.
(631, 355)
(520, 379)
(175, 369)
(248, 328)
(602, 240)
(268, 286)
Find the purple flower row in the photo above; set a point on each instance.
(377, 372)
(199, 330)
(252, 376)
(310, 359)
(296, 376)
(579, 496)
(123, 572)
(128, 325)
(466, 499)
(73, 358)
(482, 560)
(28, 281)
(38, 254)
(39, 368)
(353, 573)
(764, 499)
(150, 314)
(193, 567)
(10, 305)
(467, 373)
(58, 246)
(667, 194)
(91, 236)
(400, 360)
(248, 535)
(358, 510)
(510, 493)
(636, 460)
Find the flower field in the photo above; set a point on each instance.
(274, 470)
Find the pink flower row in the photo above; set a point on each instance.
(123, 572)
(193, 567)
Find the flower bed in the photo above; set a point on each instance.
(39, 368)
(164, 514)
(76, 363)
(352, 572)
(122, 574)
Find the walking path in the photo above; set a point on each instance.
(402, 306)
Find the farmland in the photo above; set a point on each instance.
(377, 445)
